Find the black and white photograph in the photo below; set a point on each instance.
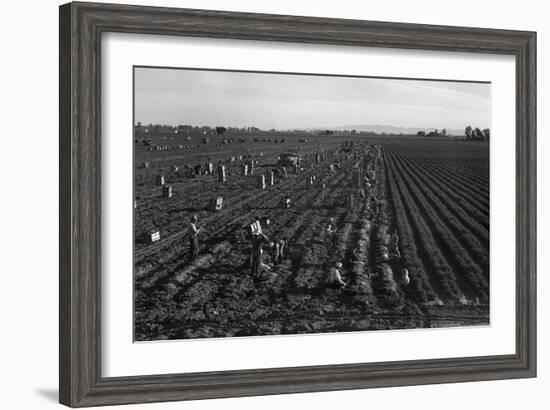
(241, 205)
(289, 203)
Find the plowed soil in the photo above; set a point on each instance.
(432, 192)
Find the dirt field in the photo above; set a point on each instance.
(433, 192)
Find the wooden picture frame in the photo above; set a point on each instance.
(81, 27)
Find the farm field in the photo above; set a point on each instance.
(430, 193)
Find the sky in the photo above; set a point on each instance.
(290, 101)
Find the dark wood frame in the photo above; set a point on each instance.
(81, 26)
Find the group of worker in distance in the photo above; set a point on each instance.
(277, 249)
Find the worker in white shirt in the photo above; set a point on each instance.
(335, 277)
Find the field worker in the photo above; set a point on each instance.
(271, 251)
(281, 246)
(194, 231)
(255, 229)
(394, 245)
(287, 202)
(376, 206)
(256, 252)
(334, 276)
(277, 251)
(331, 232)
(263, 266)
(256, 226)
(367, 186)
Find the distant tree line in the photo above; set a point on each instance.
(221, 130)
(471, 134)
(475, 134)
(434, 133)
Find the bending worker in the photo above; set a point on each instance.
(194, 231)
(335, 277)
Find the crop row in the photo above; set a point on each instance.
(176, 254)
(459, 159)
(479, 175)
(223, 229)
(463, 176)
(165, 268)
(174, 231)
(468, 190)
(459, 190)
(447, 210)
(458, 166)
(432, 254)
(476, 184)
(440, 239)
(421, 284)
(469, 216)
(193, 290)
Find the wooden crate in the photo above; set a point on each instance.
(216, 204)
(167, 191)
(152, 236)
(261, 181)
(221, 173)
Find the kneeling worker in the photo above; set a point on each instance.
(334, 277)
